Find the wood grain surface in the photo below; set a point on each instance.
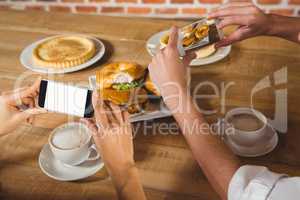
(166, 166)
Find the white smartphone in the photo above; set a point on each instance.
(67, 99)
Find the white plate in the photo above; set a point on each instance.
(153, 45)
(27, 61)
(59, 171)
(261, 148)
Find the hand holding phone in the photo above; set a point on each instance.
(64, 98)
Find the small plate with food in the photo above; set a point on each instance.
(62, 54)
(128, 84)
(199, 36)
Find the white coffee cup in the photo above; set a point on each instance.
(243, 137)
(70, 143)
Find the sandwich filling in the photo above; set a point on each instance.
(123, 81)
(125, 86)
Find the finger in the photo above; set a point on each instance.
(33, 89)
(22, 116)
(116, 111)
(29, 101)
(172, 43)
(95, 98)
(236, 11)
(35, 111)
(188, 58)
(90, 124)
(233, 20)
(236, 36)
(31, 104)
(109, 113)
(14, 91)
(100, 111)
(125, 116)
(14, 97)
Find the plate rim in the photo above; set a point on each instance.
(29, 48)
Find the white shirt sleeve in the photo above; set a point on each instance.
(258, 183)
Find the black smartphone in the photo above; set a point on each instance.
(64, 98)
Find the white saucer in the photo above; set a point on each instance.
(59, 171)
(153, 45)
(27, 61)
(262, 148)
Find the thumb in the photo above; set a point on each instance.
(188, 58)
(34, 88)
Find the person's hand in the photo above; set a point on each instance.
(168, 71)
(18, 106)
(112, 134)
(251, 21)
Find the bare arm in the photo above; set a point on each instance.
(214, 158)
(169, 73)
(285, 27)
(252, 21)
(113, 137)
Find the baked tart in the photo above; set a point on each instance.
(64, 52)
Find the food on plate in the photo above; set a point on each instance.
(201, 32)
(150, 86)
(64, 51)
(187, 41)
(121, 83)
(164, 40)
(205, 51)
(191, 34)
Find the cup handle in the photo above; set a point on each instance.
(93, 148)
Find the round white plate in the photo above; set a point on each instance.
(261, 148)
(27, 61)
(59, 171)
(153, 45)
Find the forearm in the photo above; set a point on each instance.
(284, 27)
(127, 184)
(215, 159)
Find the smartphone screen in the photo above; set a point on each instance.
(64, 98)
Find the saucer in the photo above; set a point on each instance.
(62, 172)
(262, 148)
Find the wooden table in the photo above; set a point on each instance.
(166, 166)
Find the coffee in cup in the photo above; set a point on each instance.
(245, 122)
(71, 144)
(245, 126)
(70, 138)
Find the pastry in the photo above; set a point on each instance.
(64, 52)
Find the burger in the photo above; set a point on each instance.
(121, 83)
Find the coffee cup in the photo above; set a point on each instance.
(71, 144)
(244, 126)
